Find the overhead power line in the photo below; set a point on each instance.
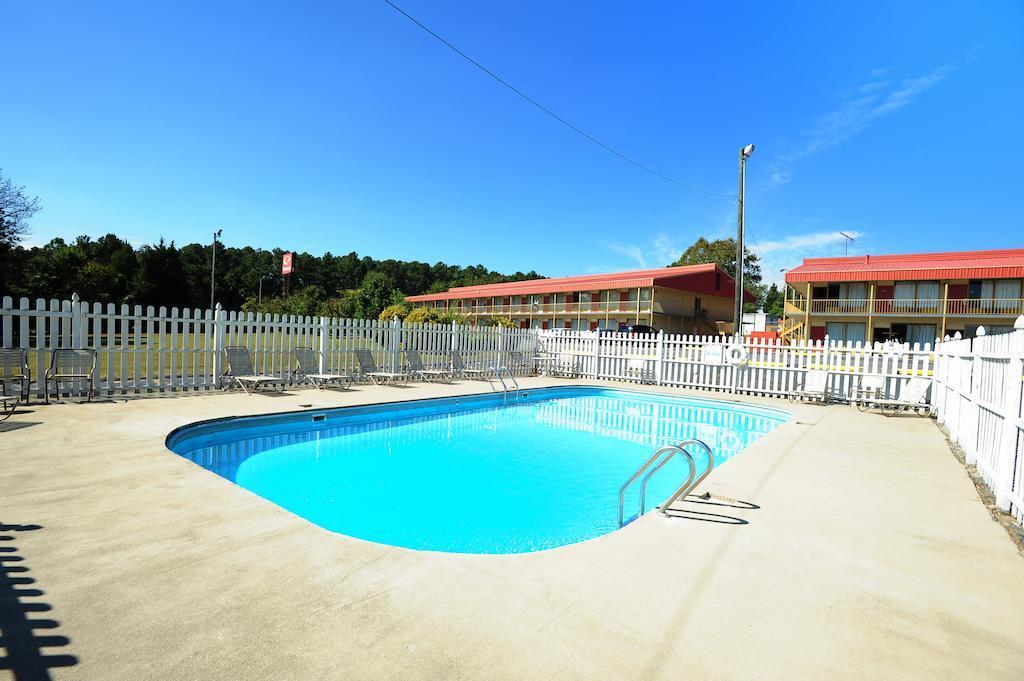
(551, 113)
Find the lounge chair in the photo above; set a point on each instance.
(518, 362)
(869, 390)
(911, 397)
(459, 368)
(815, 387)
(68, 364)
(566, 365)
(368, 368)
(13, 369)
(307, 361)
(638, 369)
(416, 368)
(240, 371)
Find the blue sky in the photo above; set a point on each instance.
(342, 126)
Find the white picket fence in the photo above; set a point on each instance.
(700, 362)
(977, 397)
(159, 350)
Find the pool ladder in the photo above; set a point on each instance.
(497, 371)
(658, 460)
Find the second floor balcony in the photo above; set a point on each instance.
(584, 308)
(965, 307)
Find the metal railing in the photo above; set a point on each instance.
(979, 307)
(662, 457)
(613, 307)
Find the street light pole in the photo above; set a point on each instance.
(745, 153)
(213, 267)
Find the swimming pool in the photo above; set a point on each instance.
(473, 474)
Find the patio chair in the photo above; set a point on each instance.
(240, 371)
(67, 364)
(637, 369)
(815, 387)
(459, 368)
(566, 365)
(416, 368)
(368, 368)
(869, 390)
(518, 362)
(13, 369)
(307, 361)
(910, 397)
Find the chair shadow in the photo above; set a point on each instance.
(8, 426)
(24, 655)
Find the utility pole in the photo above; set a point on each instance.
(745, 153)
(213, 267)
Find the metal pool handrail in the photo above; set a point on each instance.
(686, 487)
(667, 452)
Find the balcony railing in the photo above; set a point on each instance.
(971, 307)
(595, 307)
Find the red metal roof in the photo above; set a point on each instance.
(696, 278)
(999, 264)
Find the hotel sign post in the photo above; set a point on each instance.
(286, 269)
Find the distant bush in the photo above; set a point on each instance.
(502, 321)
(423, 315)
(394, 311)
(452, 317)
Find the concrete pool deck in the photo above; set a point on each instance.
(866, 553)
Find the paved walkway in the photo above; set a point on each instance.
(868, 555)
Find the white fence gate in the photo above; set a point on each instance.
(701, 362)
(159, 350)
(977, 396)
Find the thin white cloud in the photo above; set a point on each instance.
(859, 107)
(657, 252)
(804, 242)
(789, 251)
(630, 251)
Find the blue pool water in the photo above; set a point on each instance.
(473, 474)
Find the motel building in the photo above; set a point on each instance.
(671, 299)
(906, 298)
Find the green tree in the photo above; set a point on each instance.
(16, 208)
(722, 252)
(160, 277)
(774, 301)
(377, 292)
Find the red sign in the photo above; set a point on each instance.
(286, 263)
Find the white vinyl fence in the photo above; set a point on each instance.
(703, 362)
(159, 350)
(977, 397)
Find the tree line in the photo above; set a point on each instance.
(109, 269)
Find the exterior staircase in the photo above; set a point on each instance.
(790, 329)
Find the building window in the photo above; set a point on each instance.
(845, 331)
(910, 333)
